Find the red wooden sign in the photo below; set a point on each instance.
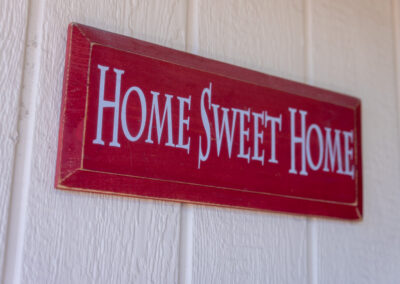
(147, 121)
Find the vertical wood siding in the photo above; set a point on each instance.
(13, 18)
(50, 236)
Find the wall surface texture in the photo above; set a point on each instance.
(51, 236)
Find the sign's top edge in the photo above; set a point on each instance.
(140, 47)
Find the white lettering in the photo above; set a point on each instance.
(331, 152)
(229, 133)
(103, 104)
(182, 122)
(142, 99)
(243, 133)
(274, 121)
(348, 153)
(206, 124)
(310, 161)
(296, 139)
(258, 137)
(160, 124)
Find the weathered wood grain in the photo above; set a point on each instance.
(233, 246)
(12, 43)
(85, 238)
(353, 53)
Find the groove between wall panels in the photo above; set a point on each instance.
(308, 58)
(312, 230)
(186, 244)
(312, 250)
(186, 224)
(192, 27)
(23, 155)
(396, 49)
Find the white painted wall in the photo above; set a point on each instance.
(50, 236)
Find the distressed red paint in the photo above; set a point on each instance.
(146, 121)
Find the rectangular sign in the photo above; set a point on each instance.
(143, 120)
